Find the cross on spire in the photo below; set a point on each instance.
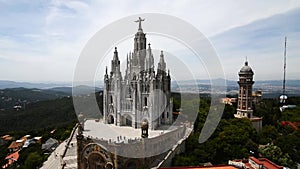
(140, 23)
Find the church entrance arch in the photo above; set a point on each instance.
(127, 120)
(96, 161)
(110, 119)
(132, 164)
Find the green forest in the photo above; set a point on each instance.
(39, 118)
(233, 138)
(237, 138)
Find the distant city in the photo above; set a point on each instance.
(269, 87)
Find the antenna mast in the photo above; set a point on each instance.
(284, 68)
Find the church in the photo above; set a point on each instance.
(142, 95)
(137, 129)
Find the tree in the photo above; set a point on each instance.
(229, 110)
(268, 134)
(33, 160)
(290, 144)
(233, 139)
(274, 153)
(3, 153)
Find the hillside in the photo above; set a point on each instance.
(12, 84)
(23, 96)
(42, 114)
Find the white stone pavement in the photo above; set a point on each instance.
(55, 160)
(70, 158)
(115, 133)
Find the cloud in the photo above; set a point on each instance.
(263, 42)
(53, 33)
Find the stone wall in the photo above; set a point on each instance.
(157, 151)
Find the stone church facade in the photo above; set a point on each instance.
(142, 94)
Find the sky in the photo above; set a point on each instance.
(41, 41)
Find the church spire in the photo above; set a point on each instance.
(149, 60)
(162, 62)
(127, 61)
(140, 37)
(106, 75)
(161, 68)
(115, 63)
(116, 57)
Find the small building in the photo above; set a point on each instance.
(11, 159)
(50, 145)
(228, 100)
(257, 96)
(2, 142)
(15, 145)
(28, 142)
(254, 163)
(5, 139)
(205, 167)
(256, 122)
(17, 107)
(38, 139)
(24, 138)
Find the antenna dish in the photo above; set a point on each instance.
(283, 98)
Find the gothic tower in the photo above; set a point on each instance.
(245, 82)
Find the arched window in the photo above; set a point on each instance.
(111, 99)
(145, 100)
(167, 114)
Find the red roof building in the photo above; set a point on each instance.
(205, 167)
(7, 138)
(15, 146)
(11, 159)
(254, 163)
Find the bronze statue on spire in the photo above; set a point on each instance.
(140, 23)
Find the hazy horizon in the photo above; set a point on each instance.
(101, 81)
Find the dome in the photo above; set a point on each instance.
(246, 68)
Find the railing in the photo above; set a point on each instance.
(68, 143)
